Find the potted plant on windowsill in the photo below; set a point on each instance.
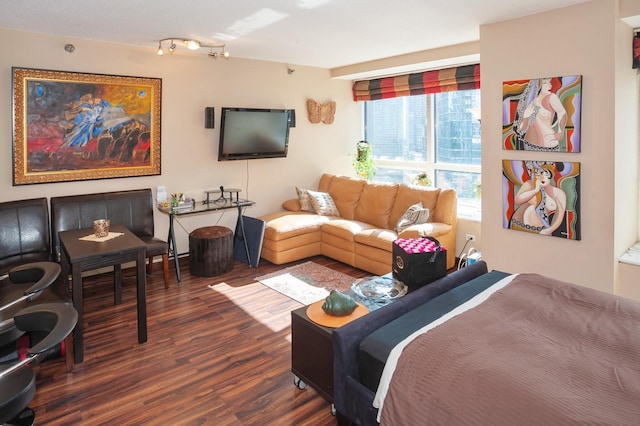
(422, 179)
(364, 164)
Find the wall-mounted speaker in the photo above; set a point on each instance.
(209, 119)
(292, 118)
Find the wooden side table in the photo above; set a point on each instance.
(311, 354)
(312, 350)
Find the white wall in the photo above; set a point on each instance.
(586, 39)
(191, 82)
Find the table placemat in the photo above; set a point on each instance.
(319, 316)
(92, 237)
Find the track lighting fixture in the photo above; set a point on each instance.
(215, 55)
(193, 45)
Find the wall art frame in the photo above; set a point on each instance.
(542, 197)
(542, 114)
(71, 126)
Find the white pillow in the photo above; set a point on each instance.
(305, 200)
(414, 215)
(323, 203)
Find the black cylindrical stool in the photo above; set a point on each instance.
(210, 251)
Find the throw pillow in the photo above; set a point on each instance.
(323, 204)
(416, 214)
(305, 201)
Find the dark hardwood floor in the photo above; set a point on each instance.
(218, 353)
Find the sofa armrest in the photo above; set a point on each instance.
(346, 339)
(292, 205)
(431, 229)
(446, 210)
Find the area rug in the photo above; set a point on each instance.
(307, 282)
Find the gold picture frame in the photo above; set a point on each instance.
(71, 126)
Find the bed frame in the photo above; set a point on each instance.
(353, 401)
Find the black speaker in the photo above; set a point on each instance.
(209, 117)
(292, 118)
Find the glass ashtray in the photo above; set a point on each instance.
(379, 288)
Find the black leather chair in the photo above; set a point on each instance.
(24, 233)
(133, 209)
(17, 380)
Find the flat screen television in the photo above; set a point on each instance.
(249, 133)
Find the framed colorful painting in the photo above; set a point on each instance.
(542, 197)
(72, 126)
(542, 114)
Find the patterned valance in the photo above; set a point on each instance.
(445, 80)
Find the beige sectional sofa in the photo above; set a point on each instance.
(363, 233)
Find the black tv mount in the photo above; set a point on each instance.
(232, 192)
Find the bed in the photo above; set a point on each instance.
(507, 349)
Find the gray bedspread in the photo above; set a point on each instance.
(539, 351)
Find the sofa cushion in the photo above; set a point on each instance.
(323, 204)
(294, 242)
(304, 199)
(325, 181)
(283, 225)
(378, 238)
(410, 195)
(344, 229)
(375, 204)
(415, 214)
(346, 193)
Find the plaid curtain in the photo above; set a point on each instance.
(636, 50)
(445, 80)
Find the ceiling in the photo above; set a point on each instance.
(318, 33)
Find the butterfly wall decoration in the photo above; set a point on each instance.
(318, 112)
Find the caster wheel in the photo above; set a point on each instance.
(300, 384)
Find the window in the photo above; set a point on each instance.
(435, 133)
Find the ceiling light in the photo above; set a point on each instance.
(194, 45)
(215, 55)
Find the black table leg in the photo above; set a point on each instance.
(173, 250)
(142, 297)
(78, 331)
(117, 284)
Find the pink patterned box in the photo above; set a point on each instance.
(418, 261)
(417, 245)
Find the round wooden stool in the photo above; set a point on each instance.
(210, 251)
